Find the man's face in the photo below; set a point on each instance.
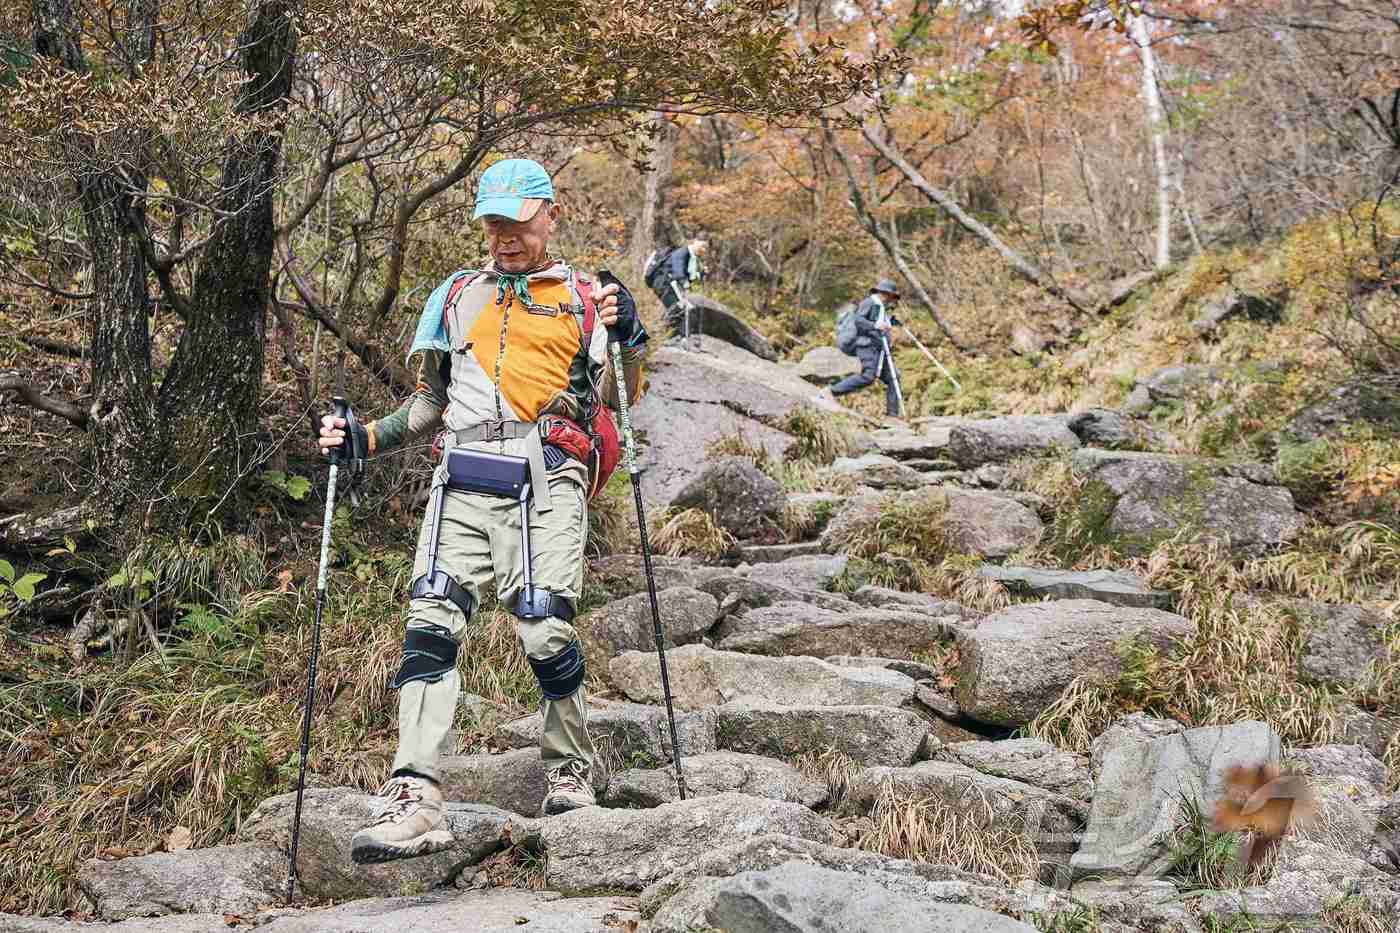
(889, 299)
(520, 245)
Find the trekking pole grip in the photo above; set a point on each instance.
(342, 411)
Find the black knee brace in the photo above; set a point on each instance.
(439, 585)
(429, 653)
(536, 603)
(560, 675)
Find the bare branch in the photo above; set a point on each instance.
(35, 399)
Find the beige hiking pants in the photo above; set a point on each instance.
(480, 536)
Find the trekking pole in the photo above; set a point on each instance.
(342, 409)
(630, 448)
(932, 358)
(685, 309)
(894, 373)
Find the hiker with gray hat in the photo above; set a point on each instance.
(873, 322)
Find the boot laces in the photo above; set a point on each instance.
(567, 778)
(401, 795)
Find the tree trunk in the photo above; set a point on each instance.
(211, 393)
(648, 235)
(154, 452)
(1157, 131)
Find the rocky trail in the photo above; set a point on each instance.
(807, 715)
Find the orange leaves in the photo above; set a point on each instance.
(1380, 482)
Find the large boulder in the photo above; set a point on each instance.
(596, 848)
(904, 444)
(1117, 587)
(1109, 429)
(626, 734)
(800, 898)
(880, 597)
(740, 497)
(1030, 761)
(1153, 497)
(798, 628)
(877, 471)
(712, 774)
(825, 365)
(493, 910)
(702, 677)
(516, 780)
(988, 524)
(715, 320)
(973, 442)
(1228, 302)
(625, 574)
(626, 624)
(1134, 728)
(1048, 820)
(696, 399)
(331, 816)
(1016, 663)
(1173, 382)
(978, 522)
(235, 879)
(869, 735)
(1365, 400)
(809, 572)
(1139, 794)
(739, 593)
(1342, 643)
(937, 882)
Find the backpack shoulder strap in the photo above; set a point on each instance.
(588, 314)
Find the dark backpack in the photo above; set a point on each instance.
(655, 266)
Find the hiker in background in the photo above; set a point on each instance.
(671, 275)
(873, 321)
(513, 361)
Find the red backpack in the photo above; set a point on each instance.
(595, 442)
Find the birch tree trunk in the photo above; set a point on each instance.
(1157, 131)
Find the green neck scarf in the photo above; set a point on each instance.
(517, 284)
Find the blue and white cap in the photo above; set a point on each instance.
(514, 189)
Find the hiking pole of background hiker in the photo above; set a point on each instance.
(956, 385)
(629, 447)
(894, 373)
(686, 308)
(342, 410)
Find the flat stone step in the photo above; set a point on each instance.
(1116, 587)
(772, 553)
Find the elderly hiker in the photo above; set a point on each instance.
(874, 322)
(511, 364)
(672, 278)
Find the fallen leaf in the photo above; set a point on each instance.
(179, 839)
(284, 580)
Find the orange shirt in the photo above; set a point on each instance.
(540, 345)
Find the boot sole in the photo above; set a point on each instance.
(373, 853)
(554, 808)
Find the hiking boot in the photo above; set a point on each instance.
(407, 823)
(568, 788)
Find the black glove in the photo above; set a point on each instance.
(895, 322)
(354, 449)
(628, 330)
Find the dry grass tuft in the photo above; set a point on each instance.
(691, 533)
(1081, 714)
(832, 767)
(817, 437)
(929, 829)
